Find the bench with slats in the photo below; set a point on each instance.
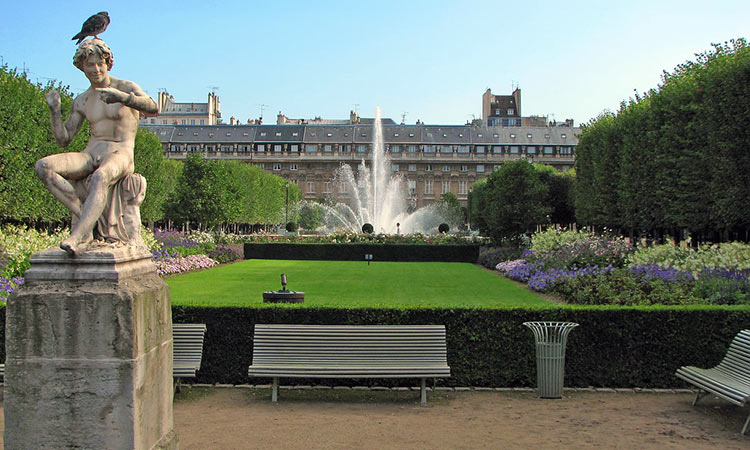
(187, 350)
(729, 380)
(349, 351)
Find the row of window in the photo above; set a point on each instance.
(428, 187)
(479, 168)
(395, 148)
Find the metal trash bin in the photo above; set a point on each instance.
(550, 338)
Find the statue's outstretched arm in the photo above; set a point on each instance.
(130, 95)
(63, 132)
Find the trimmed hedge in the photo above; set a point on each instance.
(357, 252)
(624, 347)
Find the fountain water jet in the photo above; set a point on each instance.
(378, 196)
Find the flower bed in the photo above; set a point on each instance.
(588, 269)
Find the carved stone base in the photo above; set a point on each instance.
(89, 354)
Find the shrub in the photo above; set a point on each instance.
(291, 227)
(490, 257)
(730, 255)
(173, 266)
(224, 254)
(720, 286)
(561, 249)
(18, 243)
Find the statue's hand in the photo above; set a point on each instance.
(53, 99)
(112, 95)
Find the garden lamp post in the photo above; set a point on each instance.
(468, 208)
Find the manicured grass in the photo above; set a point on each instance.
(348, 284)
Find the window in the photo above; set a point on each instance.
(563, 135)
(411, 134)
(497, 166)
(446, 168)
(480, 168)
(263, 133)
(514, 149)
(412, 167)
(511, 111)
(497, 112)
(395, 149)
(163, 121)
(394, 167)
(429, 149)
(342, 188)
(497, 149)
(462, 187)
(446, 187)
(428, 167)
(328, 148)
(463, 149)
(210, 148)
(310, 187)
(292, 166)
(531, 150)
(566, 150)
(428, 186)
(412, 187)
(277, 148)
(192, 121)
(277, 166)
(528, 135)
(278, 134)
(226, 148)
(395, 134)
(361, 148)
(548, 150)
(327, 187)
(294, 148)
(412, 149)
(261, 148)
(311, 148)
(295, 134)
(329, 134)
(446, 149)
(479, 149)
(463, 168)
(346, 148)
(194, 148)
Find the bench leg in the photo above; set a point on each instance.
(423, 392)
(699, 395)
(747, 423)
(275, 390)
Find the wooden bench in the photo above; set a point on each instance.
(729, 380)
(349, 351)
(187, 350)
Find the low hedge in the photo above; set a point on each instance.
(357, 252)
(623, 347)
(612, 347)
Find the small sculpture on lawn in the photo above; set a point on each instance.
(98, 185)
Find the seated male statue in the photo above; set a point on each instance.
(112, 107)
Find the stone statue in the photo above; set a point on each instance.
(98, 184)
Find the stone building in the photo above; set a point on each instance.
(173, 113)
(434, 159)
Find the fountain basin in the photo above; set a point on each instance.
(283, 297)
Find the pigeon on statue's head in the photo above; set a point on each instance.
(93, 26)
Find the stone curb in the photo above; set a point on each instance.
(604, 390)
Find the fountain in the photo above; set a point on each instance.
(378, 196)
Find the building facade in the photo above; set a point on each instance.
(173, 113)
(433, 159)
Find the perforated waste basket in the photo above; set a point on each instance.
(550, 338)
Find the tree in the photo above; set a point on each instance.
(559, 193)
(149, 162)
(514, 202)
(450, 210)
(311, 215)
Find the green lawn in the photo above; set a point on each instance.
(347, 284)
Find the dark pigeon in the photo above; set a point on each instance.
(93, 26)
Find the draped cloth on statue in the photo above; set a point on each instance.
(121, 220)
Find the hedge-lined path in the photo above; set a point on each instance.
(236, 418)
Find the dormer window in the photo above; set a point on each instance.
(278, 134)
(395, 134)
(563, 136)
(528, 135)
(512, 136)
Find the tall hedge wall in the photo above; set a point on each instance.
(489, 347)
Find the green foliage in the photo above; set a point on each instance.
(612, 347)
(728, 255)
(675, 157)
(356, 252)
(25, 137)
(291, 227)
(513, 201)
(18, 243)
(311, 215)
(150, 162)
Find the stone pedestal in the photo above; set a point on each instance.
(89, 354)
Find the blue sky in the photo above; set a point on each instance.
(431, 60)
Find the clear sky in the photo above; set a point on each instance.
(431, 60)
